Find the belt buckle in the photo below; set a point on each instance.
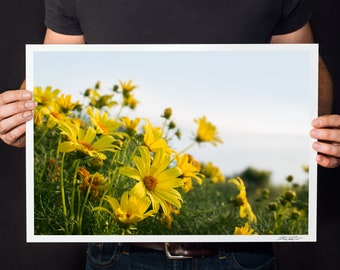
(173, 257)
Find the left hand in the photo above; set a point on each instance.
(326, 129)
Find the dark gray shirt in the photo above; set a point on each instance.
(176, 21)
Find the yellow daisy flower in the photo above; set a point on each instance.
(65, 103)
(83, 141)
(102, 122)
(242, 201)
(153, 138)
(168, 217)
(130, 101)
(213, 172)
(130, 125)
(38, 118)
(155, 179)
(55, 115)
(190, 169)
(127, 86)
(245, 230)
(45, 97)
(206, 132)
(96, 182)
(99, 101)
(130, 210)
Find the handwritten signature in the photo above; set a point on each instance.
(289, 238)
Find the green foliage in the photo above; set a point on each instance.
(72, 182)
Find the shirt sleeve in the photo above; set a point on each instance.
(294, 15)
(60, 16)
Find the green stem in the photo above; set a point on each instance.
(77, 162)
(292, 227)
(122, 154)
(62, 187)
(109, 185)
(80, 217)
(120, 111)
(187, 148)
(276, 225)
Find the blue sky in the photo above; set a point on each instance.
(259, 97)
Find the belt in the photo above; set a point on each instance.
(182, 250)
(190, 250)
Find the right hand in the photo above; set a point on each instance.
(16, 108)
(326, 129)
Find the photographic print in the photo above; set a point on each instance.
(168, 143)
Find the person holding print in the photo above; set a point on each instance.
(177, 22)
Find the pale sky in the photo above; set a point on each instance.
(261, 100)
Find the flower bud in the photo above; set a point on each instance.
(97, 86)
(295, 214)
(87, 92)
(115, 88)
(172, 125)
(290, 195)
(178, 134)
(290, 178)
(273, 206)
(96, 164)
(167, 113)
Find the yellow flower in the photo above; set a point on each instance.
(245, 230)
(38, 118)
(65, 103)
(55, 116)
(45, 97)
(168, 217)
(99, 101)
(48, 105)
(206, 132)
(127, 86)
(92, 93)
(214, 173)
(155, 179)
(305, 168)
(130, 210)
(104, 101)
(130, 101)
(102, 122)
(190, 169)
(242, 201)
(153, 138)
(130, 125)
(167, 113)
(96, 182)
(82, 141)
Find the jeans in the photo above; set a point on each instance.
(114, 257)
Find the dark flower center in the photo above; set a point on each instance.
(150, 182)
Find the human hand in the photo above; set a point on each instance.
(326, 129)
(16, 108)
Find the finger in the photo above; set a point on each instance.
(14, 95)
(331, 135)
(328, 162)
(14, 108)
(16, 136)
(10, 123)
(327, 121)
(329, 149)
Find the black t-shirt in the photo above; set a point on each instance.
(176, 21)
